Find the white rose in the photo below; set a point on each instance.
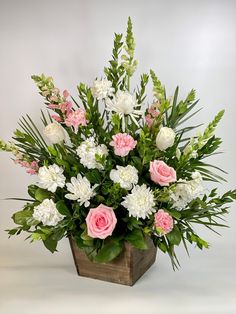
(165, 138)
(54, 132)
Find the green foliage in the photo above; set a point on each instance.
(137, 239)
(111, 248)
(115, 72)
(158, 88)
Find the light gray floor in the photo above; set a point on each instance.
(33, 281)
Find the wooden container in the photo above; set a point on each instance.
(126, 269)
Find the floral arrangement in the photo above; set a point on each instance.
(110, 168)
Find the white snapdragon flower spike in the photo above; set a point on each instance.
(140, 202)
(124, 104)
(186, 191)
(80, 190)
(102, 89)
(50, 178)
(87, 152)
(125, 176)
(47, 213)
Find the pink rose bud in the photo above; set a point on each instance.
(123, 144)
(161, 173)
(101, 221)
(163, 222)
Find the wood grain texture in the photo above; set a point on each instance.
(126, 269)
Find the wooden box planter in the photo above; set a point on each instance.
(126, 269)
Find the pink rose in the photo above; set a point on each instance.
(76, 118)
(161, 173)
(123, 144)
(101, 221)
(163, 222)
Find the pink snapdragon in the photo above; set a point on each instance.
(76, 118)
(161, 173)
(163, 222)
(101, 221)
(32, 167)
(56, 118)
(66, 107)
(152, 114)
(123, 143)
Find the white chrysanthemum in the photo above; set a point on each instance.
(80, 190)
(140, 203)
(87, 152)
(125, 176)
(47, 213)
(124, 104)
(186, 191)
(51, 177)
(101, 89)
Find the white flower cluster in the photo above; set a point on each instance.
(186, 191)
(80, 190)
(51, 177)
(102, 89)
(87, 152)
(125, 176)
(47, 213)
(140, 202)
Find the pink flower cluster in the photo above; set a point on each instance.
(101, 221)
(163, 222)
(32, 167)
(152, 114)
(123, 144)
(73, 118)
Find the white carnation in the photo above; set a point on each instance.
(140, 203)
(125, 176)
(124, 103)
(80, 190)
(102, 89)
(47, 213)
(54, 132)
(87, 152)
(165, 138)
(51, 177)
(186, 191)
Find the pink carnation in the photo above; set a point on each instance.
(123, 144)
(163, 222)
(161, 173)
(76, 118)
(101, 221)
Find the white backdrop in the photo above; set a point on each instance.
(188, 43)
